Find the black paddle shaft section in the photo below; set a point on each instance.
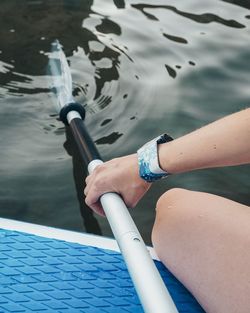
(86, 146)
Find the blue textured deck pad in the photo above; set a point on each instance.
(38, 274)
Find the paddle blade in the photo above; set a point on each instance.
(59, 69)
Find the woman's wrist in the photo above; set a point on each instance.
(148, 159)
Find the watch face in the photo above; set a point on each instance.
(164, 138)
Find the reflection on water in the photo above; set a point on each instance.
(242, 3)
(29, 31)
(144, 68)
(204, 18)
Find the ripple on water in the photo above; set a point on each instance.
(139, 69)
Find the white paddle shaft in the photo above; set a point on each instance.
(148, 283)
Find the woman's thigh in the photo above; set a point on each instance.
(205, 241)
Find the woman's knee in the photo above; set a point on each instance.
(171, 198)
(171, 212)
(194, 234)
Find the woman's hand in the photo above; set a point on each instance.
(119, 175)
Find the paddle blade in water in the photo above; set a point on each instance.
(60, 72)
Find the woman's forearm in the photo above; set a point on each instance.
(224, 142)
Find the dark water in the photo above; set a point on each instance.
(144, 68)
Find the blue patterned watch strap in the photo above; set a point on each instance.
(149, 168)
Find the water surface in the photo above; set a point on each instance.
(143, 67)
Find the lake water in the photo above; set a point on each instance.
(144, 68)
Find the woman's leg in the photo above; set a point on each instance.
(205, 241)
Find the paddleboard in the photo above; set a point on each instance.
(44, 269)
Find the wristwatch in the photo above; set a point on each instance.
(148, 159)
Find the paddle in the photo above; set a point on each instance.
(150, 288)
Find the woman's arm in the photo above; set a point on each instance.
(221, 143)
(224, 142)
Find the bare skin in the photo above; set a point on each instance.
(224, 142)
(203, 239)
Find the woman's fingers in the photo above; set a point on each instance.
(90, 199)
(97, 208)
(88, 184)
(119, 175)
(96, 186)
